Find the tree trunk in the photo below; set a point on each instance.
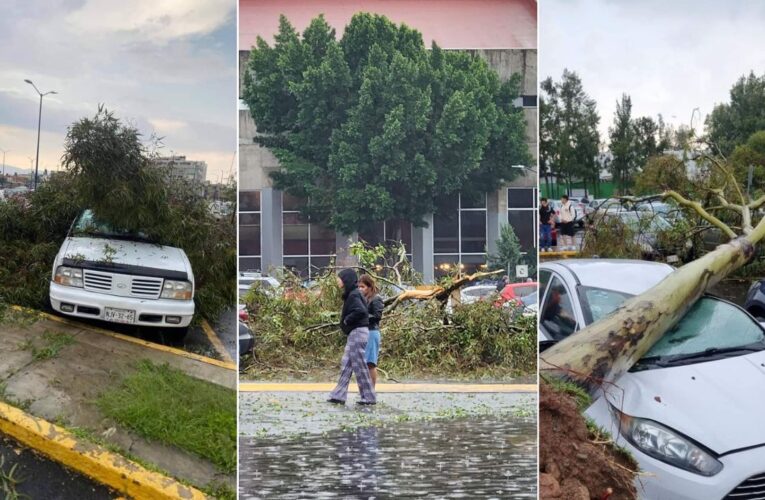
(600, 353)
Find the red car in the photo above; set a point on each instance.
(514, 291)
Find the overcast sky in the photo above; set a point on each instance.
(167, 66)
(670, 57)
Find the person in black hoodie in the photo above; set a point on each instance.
(354, 321)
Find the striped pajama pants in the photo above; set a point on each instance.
(353, 363)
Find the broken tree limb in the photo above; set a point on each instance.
(603, 351)
(437, 292)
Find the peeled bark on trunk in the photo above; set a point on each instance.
(603, 351)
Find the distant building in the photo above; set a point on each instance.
(271, 231)
(181, 168)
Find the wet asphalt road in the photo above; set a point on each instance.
(475, 457)
(40, 478)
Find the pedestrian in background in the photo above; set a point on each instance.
(567, 217)
(368, 288)
(354, 321)
(545, 225)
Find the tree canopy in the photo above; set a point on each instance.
(569, 138)
(374, 127)
(731, 124)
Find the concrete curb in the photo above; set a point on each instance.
(215, 341)
(389, 388)
(127, 338)
(107, 468)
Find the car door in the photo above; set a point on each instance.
(557, 318)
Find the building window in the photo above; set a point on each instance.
(307, 247)
(529, 101)
(390, 232)
(459, 235)
(522, 214)
(249, 231)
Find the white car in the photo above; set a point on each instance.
(247, 279)
(104, 273)
(691, 410)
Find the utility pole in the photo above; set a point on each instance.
(39, 121)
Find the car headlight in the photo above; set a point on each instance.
(666, 445)
(68, 276)
(177, 290)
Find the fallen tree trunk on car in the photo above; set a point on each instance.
(600, 353)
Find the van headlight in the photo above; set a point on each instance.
(68, 276)
(666, 445)
(177, 290)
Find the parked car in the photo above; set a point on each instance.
(755, 300)
(247, 279)
(471, 294)
(246, 335)
(516, 291)
(668, 211)
(103, 272)
(647, 227)
(690, 411)
(531, 303)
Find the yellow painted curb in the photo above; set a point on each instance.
(127, 338)
(94, 461)
(388, 388)
(215, 341)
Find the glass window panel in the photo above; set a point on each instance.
(524, 227)
(445, 233)
(249, 234)
(473, 263)
(445, 264)
(557, 317)
(473, 231)
(521, 198)
(295, 236)
(249, 201)
(290, 202)
(373, 235)
(249, 264)
(298, 265)
(322, 240)
(447, 204)
(399, 230)
(473, 200)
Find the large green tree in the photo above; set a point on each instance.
(731, 124)
(624, 163)
(569, 138)
(375, 127)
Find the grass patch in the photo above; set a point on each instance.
(166, 405)
(53, 342)
(580, 396)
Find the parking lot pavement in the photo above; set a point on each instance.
(35, 476)
(64, 387)
(411, 445)
(279, 414)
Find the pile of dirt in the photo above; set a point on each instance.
(572, 465)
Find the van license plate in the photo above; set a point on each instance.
(119, 315)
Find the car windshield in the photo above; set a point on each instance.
(87, 225)
(529, 300)
(712, 329)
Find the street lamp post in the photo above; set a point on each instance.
(39, 121)
(4, 151)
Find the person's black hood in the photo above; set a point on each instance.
(350, 281)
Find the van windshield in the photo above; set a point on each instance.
(88, 226)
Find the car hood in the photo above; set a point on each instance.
(719, 404)
(130, 253)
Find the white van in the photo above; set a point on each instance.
(113, 275)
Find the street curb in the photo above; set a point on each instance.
(390, 388)
(107, 468)
(215, 341)
(127, 338)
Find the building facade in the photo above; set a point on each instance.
(179, 167)
(272, 233)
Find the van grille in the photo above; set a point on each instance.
(751, 489)
(142, 286)
(97, 282)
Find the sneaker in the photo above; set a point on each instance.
(336, 401)
(366, 403)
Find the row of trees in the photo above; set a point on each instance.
(570, 141)
(373, 126)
